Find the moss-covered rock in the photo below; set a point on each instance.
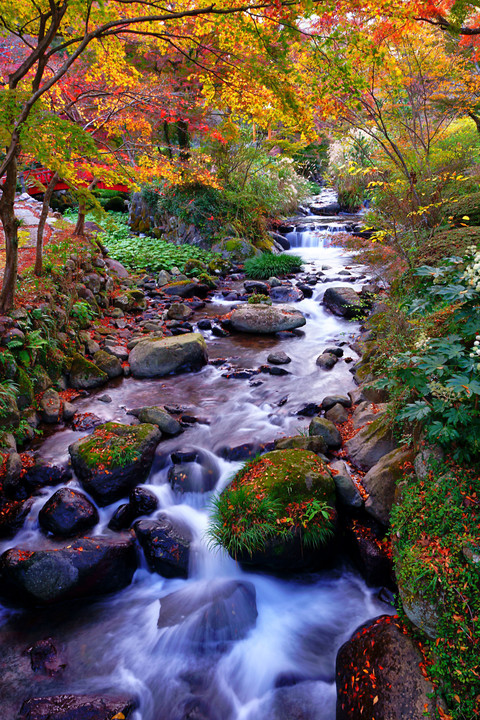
(85, 375)
(314, 443)
(25, 390)
(236, 249)
(9, 413)
(156, 357)
(278, 513)
(115, 458)
(131, 300)
(326, 429)
(41, 380)
(109, 364)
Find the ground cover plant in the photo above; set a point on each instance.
(266, 265)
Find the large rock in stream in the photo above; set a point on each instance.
(155, 357)
(86, 567)
(115, 458)
(78, 707)
(166, 546)
(379, 675)
(344, 301)
(68, 513)
(211, 613)
(261, 319)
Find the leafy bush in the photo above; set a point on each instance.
(436, 541)
(259, 299)
(262, 267)
(437, 382)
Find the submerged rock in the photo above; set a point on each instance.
(115, 458)
(211, 613)
(266, 319)
(86, 567)
(157, 357)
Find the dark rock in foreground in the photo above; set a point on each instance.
(393, 686)
(77, 707)
(87, 567)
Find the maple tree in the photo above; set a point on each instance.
(45, 41)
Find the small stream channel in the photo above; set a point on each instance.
(283, 669)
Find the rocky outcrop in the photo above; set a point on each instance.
(378, 675)
(86, 567)
(115, 458)
(157, 357)
(380, 483)
(370, 444)
(261, 319)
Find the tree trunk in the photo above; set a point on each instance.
(82, 211)
(41, 224)
(10, 229)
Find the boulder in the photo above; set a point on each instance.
(13, 514)
(85, 375)
(163, 278)
(337, 414)
(9, 413)
(161, 418)
(68, 513)
(347, 492)
(278, 357)
(380, 483)
(326, 361)
(179, 311)
(330, 400)
(50, 406)
(326, 430)
(265, 319)
(314, 443)
(344, 301)
(393, 686)
(117, 268)
(86, 567)
(185, 289)
(166, 547)
(272, 496)
(286, 294)
(157, 357)
(255, 287)
(143, 501)
(115, 458)
(366, 412)
(78, 707)
(211, 613)
(370, 553)
(108, 363)
(130, 300)
(418, 607)
(370, 444)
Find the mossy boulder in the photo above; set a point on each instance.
(9, 413)
(25, 390)
(114, 459)
(278, 513)
(314, 443)
(154, 357)
(185, 289)
(326, 429)
(53, 361)
(236, 249)
(161, 418)
(41, 380)
(371, 443)
(130, 300)
(85, 375)
(108, 364)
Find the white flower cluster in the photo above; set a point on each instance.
(447, 394)
(476, 350)
(472, 271)
(422, 341)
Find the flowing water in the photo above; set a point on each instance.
(283, 668)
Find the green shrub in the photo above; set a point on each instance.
(437, 557)
(259, 299)
(262, 267)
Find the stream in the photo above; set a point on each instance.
(284, 668)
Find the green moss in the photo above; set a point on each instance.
(25, 390)
(282, 494)
(114, 445)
